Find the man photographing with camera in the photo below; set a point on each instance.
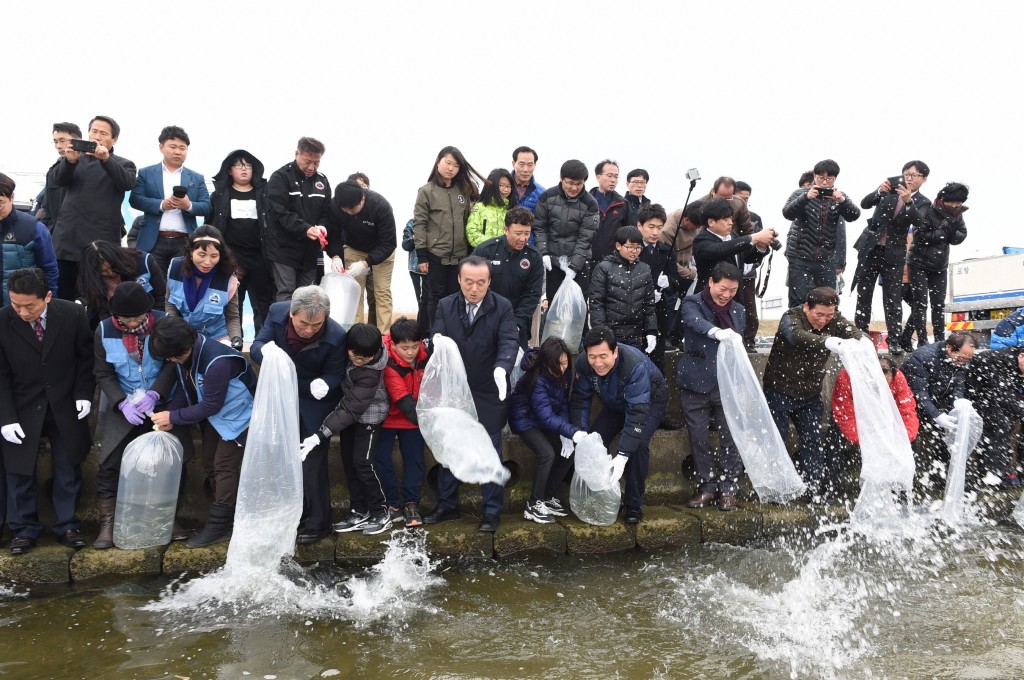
(817, 237)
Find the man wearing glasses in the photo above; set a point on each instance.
(817, 231)
(882, 247)
(636, 187)
(614, 211)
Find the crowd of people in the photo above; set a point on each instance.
(158, 325)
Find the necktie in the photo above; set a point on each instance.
(37, 326)
(471, 311)
(885, 235)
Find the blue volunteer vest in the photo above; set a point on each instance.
(233, 417)
(208, 316)
(131, 375)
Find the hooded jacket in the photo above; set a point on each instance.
(220, 213)
(622, 297)
(440, 218)
(364, 398)
(796, 364)
(814, 234)
(402, 381)
(566, 226)
(543, 407)
(932, 239)
(616, 215)
(933, 377)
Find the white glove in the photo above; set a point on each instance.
(962, 403)
(579, 437)
(662, 280)
(307, 445)
(358, 269)
(337, 265)
(318, 388)
(652, 342)
(13, 433)
(567, 446)
(546, 260)
(499, 380)
(570, 274)
(618, 465)
(83, 406)
(225, 341)
(723, 334)
(833, 344)
(946, 421)
(657, 296)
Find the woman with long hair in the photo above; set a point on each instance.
(202, 287)
(539, 414)
(439, 229)
(487, 218)
(105, 265)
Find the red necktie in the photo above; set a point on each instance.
(37, 326)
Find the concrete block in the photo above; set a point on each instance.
(587, 539)
(89, 563)
(666, 527)
(517, 535)
(735, 527)
(47, 563)
(180, 559)
(459, 538)
(311, 553)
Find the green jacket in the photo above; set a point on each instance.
(796, 365)
(439, 225)
(485, 221)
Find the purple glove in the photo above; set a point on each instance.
(148, 402)
(131, 413)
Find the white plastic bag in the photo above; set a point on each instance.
(567, 314)
(448, 419)
(592, 496)
(1018, 512)
(270, 485)
(147, 491)
(765, 457)
(343, 292)
(961, 442)
(517, 371)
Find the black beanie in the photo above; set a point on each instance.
(130, 299)
(953, 192)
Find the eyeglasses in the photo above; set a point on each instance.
(242, 165)
(632, 249)
(638, 182)
(912, 175)
(824, 178)
(125, 320)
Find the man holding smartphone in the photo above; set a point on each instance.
(96, 180)
(882, 247)
(171, 196)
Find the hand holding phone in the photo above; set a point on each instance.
(179, 191)
(83, 145)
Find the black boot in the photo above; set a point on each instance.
(105, 539)
(218, 527)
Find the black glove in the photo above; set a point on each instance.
(236, 343)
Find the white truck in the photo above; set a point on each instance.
(984, 290)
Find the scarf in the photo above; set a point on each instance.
(721, 312)
(951, 213)
(299, 343)
(131, 336)
(194, 292)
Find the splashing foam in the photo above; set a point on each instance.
(7, 593)
(387, 589)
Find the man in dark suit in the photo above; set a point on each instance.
(483, 326)
(717, 242)
(882, 248)
(169, 218)
(709, 318)
(316, 345)
(46, 387)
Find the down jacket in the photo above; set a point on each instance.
(930, 248)
(544, 406)
(566, 226)
(842, 405)
(935, 380)
(814, 234)
(622, 297)
(402, 381)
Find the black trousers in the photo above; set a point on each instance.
(316, 490)
(442, 280)
(892, 293)
(67, 279)
(422, 291)
(925, 287)
(550, 468)
(258, 281)
(358, 454)
(222, 460)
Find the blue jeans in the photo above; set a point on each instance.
(806, 413)
(805, 275)
(410, 443)
(493, 494)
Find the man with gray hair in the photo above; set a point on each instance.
(302, 327)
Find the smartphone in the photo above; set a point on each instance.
(83, 145)
(179, 191)
(825, 191)
(896, 181)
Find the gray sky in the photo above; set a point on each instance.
(756, 90)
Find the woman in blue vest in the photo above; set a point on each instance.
(135, 383)
(215, 389)
(202, 288)
(104, 265)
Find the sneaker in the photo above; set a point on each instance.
(539, 513)
(378, 524)
(395, 515)
(555, 508)
(354, 522)
(411, 509)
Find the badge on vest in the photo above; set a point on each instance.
(214, 298)
(141, 281)
(319, 186)
(462, 200)
(9, 236)
(524, 264)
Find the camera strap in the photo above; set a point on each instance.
(761, 287)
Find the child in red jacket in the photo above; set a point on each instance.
(407, 357)
(842, 401)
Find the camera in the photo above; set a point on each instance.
(825, 191)
(896, 181)
(693, 174)
(776, 244)
(83, 145)
(179, 191)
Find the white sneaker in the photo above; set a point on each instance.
(539, 513)
(555, 508)
(354, 522)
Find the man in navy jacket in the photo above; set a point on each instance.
(709, 318)
(169, 219)
(634, 393)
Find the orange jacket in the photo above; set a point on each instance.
(842, 405)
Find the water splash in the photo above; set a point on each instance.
(9, 593)
(392, 588)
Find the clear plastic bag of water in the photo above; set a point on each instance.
(343, 292)
(592, 496)
(961, 442)
(765, 457)
(147, 491)
(517, 371)
(448, 419)
(567, 314)
(270, 484)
